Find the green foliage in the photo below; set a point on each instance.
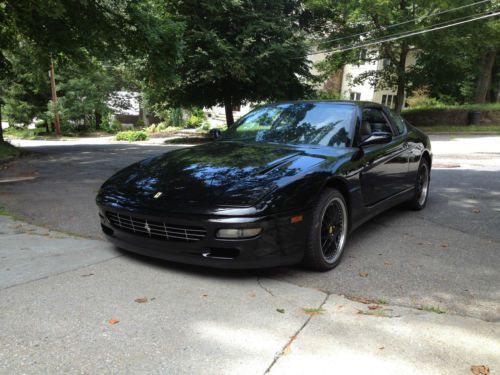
(473, 129)
(450, 65)
(448, 61)
(205, 126)
(425, 102)
(194, 121)
(325, 95)
(234, 52)
(435, 104)
(8, 151)
(162, 127)
(21, 132)
(131, 136)
(116, 126)
(172, 117)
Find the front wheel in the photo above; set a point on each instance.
(328, 231)
(419, 199)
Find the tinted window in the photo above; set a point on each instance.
(325, 124)
(378, 121)
(398, 122)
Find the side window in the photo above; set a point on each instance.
(398, 121)
(377, 120)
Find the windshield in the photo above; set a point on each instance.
(322, 123)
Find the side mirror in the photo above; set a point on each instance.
(215, 134)
(377, 138)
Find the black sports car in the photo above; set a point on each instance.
(285, 184)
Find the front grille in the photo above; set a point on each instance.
(155, 229)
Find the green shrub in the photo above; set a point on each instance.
(204, 127)
(106, 126)
(162, 127)
(140, 123)
(195, 121)
(21, 132)
(131, 136)
(116, 126)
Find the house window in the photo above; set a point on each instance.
(362, 54)
(386, 63)
(389, 100)
(355, 96)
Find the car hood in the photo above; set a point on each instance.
(231, 174)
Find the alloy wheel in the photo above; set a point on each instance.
(333, 230)
(423, 184)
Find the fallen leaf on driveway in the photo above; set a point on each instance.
(444, 245)
(141, 300)
(381, 348)
(205, 295)
(363, 274)
(282, 311)
(252, 295)
(374, 307)
(476, 210)
(480, 370)
(87, 275)
(113, 321)
(288, 348)
(387, 263)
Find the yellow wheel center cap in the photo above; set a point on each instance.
(331, 229)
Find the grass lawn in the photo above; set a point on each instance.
(7, 150)
(487, 129)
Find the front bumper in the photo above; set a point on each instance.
(280, 243)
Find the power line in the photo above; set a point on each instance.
(403, 35)
(406, 22)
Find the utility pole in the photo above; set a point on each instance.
(1, 129)
(57, 123)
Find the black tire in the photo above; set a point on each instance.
(421, 193)
(330, 222)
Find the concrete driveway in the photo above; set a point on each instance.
(412, 265)
(445, 256)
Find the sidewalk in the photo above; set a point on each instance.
(60, 295)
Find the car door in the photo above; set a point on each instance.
(385, 166)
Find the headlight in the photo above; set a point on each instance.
(238, 233)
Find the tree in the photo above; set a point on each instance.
(351, 23)
(61, 28)
(468, 54)
(234, 52)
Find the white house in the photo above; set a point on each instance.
(365, 91)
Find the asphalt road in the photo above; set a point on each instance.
(445, 256)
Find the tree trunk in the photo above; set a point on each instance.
(229, 112)
(484, 81)
(98, 120)
(1, 129)
(401, 72)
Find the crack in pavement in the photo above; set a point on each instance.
(61, 273)
(293, 338)
(264, 288)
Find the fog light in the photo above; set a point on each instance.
(238, 233)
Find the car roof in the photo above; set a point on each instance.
(357, 103)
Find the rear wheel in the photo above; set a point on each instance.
(419, 200)
(328, 231)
